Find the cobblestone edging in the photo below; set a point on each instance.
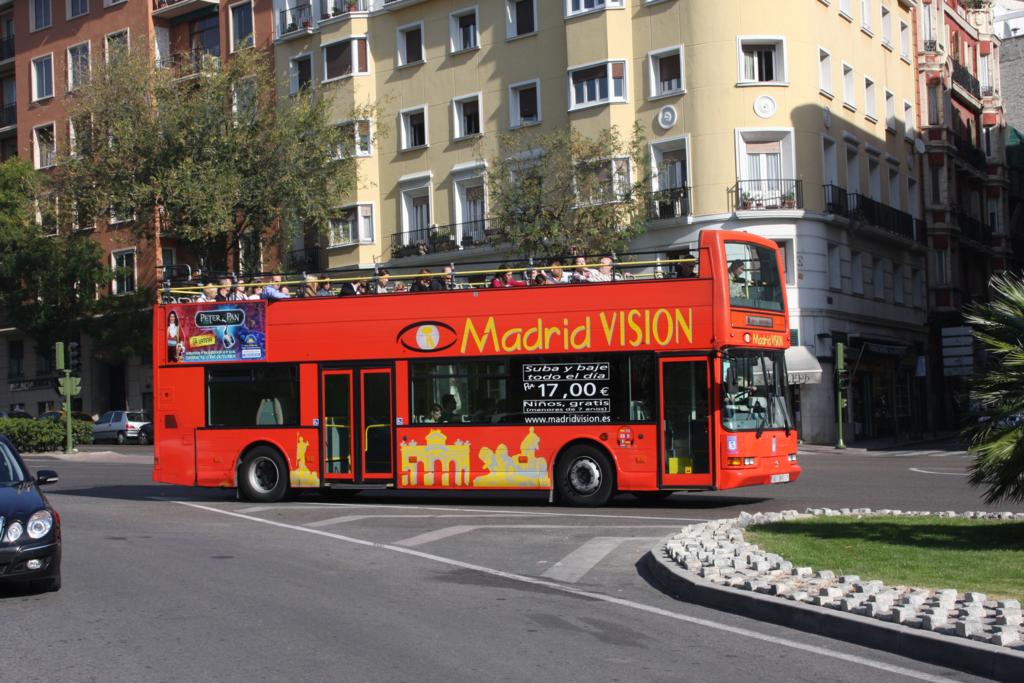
(717, 552)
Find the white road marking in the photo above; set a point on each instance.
(435, 535)
(336, 520)
(885, 667)
(576, 564)
(525, 513)
(951, 474)
(438, 534)
(255, 508)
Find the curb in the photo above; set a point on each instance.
(956, 653)
(88, 456)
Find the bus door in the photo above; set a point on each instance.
(685, 437)
(356, 424)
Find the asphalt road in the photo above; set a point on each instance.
(170, 583)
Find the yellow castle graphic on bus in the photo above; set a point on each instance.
(302, 475)
(438, 463)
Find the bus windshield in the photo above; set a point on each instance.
(753, 274)
(754, 396)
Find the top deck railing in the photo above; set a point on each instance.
(181, 286)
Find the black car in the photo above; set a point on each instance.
(146, 434)
(29, 526)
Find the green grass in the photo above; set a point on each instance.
(926, 552)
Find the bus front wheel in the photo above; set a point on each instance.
(585, 477)
(263, 476)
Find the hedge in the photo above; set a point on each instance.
(43, 435)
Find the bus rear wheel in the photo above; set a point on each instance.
(263, 476)
(585, 477)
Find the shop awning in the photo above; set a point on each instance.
(801, 366)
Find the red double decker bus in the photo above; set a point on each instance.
(647, 385)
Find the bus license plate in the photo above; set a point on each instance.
(780, 478)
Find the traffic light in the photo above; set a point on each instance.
(74, 356)
(58, 353)
(843, 379)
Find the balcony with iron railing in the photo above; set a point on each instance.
(872, 212)
(931, 46)
(972, 228)
(191, 62)
(295, 20)
(966, 150)
(330, 9)
(768, 193)
(6, 47)
(836, 200)
(965, 79)
(439, 239)
(171, 9)
(673, 202)
(8, 115)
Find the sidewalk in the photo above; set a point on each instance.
(92, 456)
(930, 442)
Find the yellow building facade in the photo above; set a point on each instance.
(795, 119)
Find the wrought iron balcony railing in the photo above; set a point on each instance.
(972, 228)
(967, 151)
(337, 8)
(673, 202)
(769, 193)
(882, 216)
(836, 200)
(931, 46)
(965, 79)
(296, 18)
(438, 239)
(191, 62)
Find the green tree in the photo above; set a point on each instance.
(998, 392)
(203, 149)
(559, 192)
(48, 277)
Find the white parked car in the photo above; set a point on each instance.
(119, 426)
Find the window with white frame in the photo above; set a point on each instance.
(824, 71)
(582, 6)
(244, 99)
(986, 139)
(878, 278)
(846, 8)
(602, 180)
(111, 3)
(464, 30)
(466, 113)
(520, 18)
(917, 282)
(40, 14)
(669, 162)
(874, 179)
(351, 225)
(524, 104)
(762, 59)
(78, 65)
(886, 27)
(830, 163)
(904, 40)
(849, 89)
(890, 111)
(42, 77)
(471, 210)
(414, 128)
(852, 170)
(116, 43)
(597, 84)
(865, 14)
(77, 8)
(835, 267)
(913, 198)
(123, 263)
(344, 58)
(241, 26)
(665, 71)
(870, 110)
(767, 168)
(909, 122)
(894, 189)
(898, 285)
(857, 272)
(300, 73)
(410, 44)
(44, 145)
(359, 138)
(415, 214)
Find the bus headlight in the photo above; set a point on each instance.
(40, 524)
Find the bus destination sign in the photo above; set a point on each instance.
(560, 393)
